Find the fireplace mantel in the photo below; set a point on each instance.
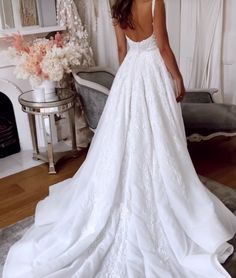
(35, 30)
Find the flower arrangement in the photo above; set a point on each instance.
(44, 59)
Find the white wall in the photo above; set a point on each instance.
(229, 52)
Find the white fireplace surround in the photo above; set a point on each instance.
(12, 92)
(12, 88)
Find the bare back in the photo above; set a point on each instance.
(150, 18)
(142, 18)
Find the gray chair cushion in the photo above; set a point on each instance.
(100, 77)
(197, 97)
(92, 100)
(93, 103)
(208, 118)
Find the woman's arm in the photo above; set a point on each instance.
(161, 34)
(121, 42)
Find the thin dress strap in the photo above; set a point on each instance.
(153, 7)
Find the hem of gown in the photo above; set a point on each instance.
(220, 267)
(226, 252)
(216, 259)
(223, 251)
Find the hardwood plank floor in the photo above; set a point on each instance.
(19, 193)
(216, 159)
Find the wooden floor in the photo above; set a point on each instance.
(216, 159)
(20, 192)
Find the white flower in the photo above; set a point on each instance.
(59, 61)
(46, 59)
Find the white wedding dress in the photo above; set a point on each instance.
(136, 207)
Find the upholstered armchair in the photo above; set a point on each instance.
(204, 119)
(93, 86)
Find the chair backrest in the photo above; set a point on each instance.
(93, 86)
(102, 78)
(199, 96)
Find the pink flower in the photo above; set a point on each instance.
(19, 43)
(58, 40)
(42, 58)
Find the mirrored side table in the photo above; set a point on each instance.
(38, 103)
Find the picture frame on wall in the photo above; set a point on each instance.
(46, 12)
(16, 13)
(2, 25)
(6, 13)
(29, 14)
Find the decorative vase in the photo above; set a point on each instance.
(49, 87)
(47, 90)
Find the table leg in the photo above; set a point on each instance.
(48, 138)
(33, 132)
(71, 113)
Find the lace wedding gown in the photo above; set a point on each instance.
(136, 207)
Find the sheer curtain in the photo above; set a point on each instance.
(107, 54)
(173, 13)
(229, 56)
(96, 16)
(201, 44)
(67, 15)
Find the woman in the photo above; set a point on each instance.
(136, 207)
